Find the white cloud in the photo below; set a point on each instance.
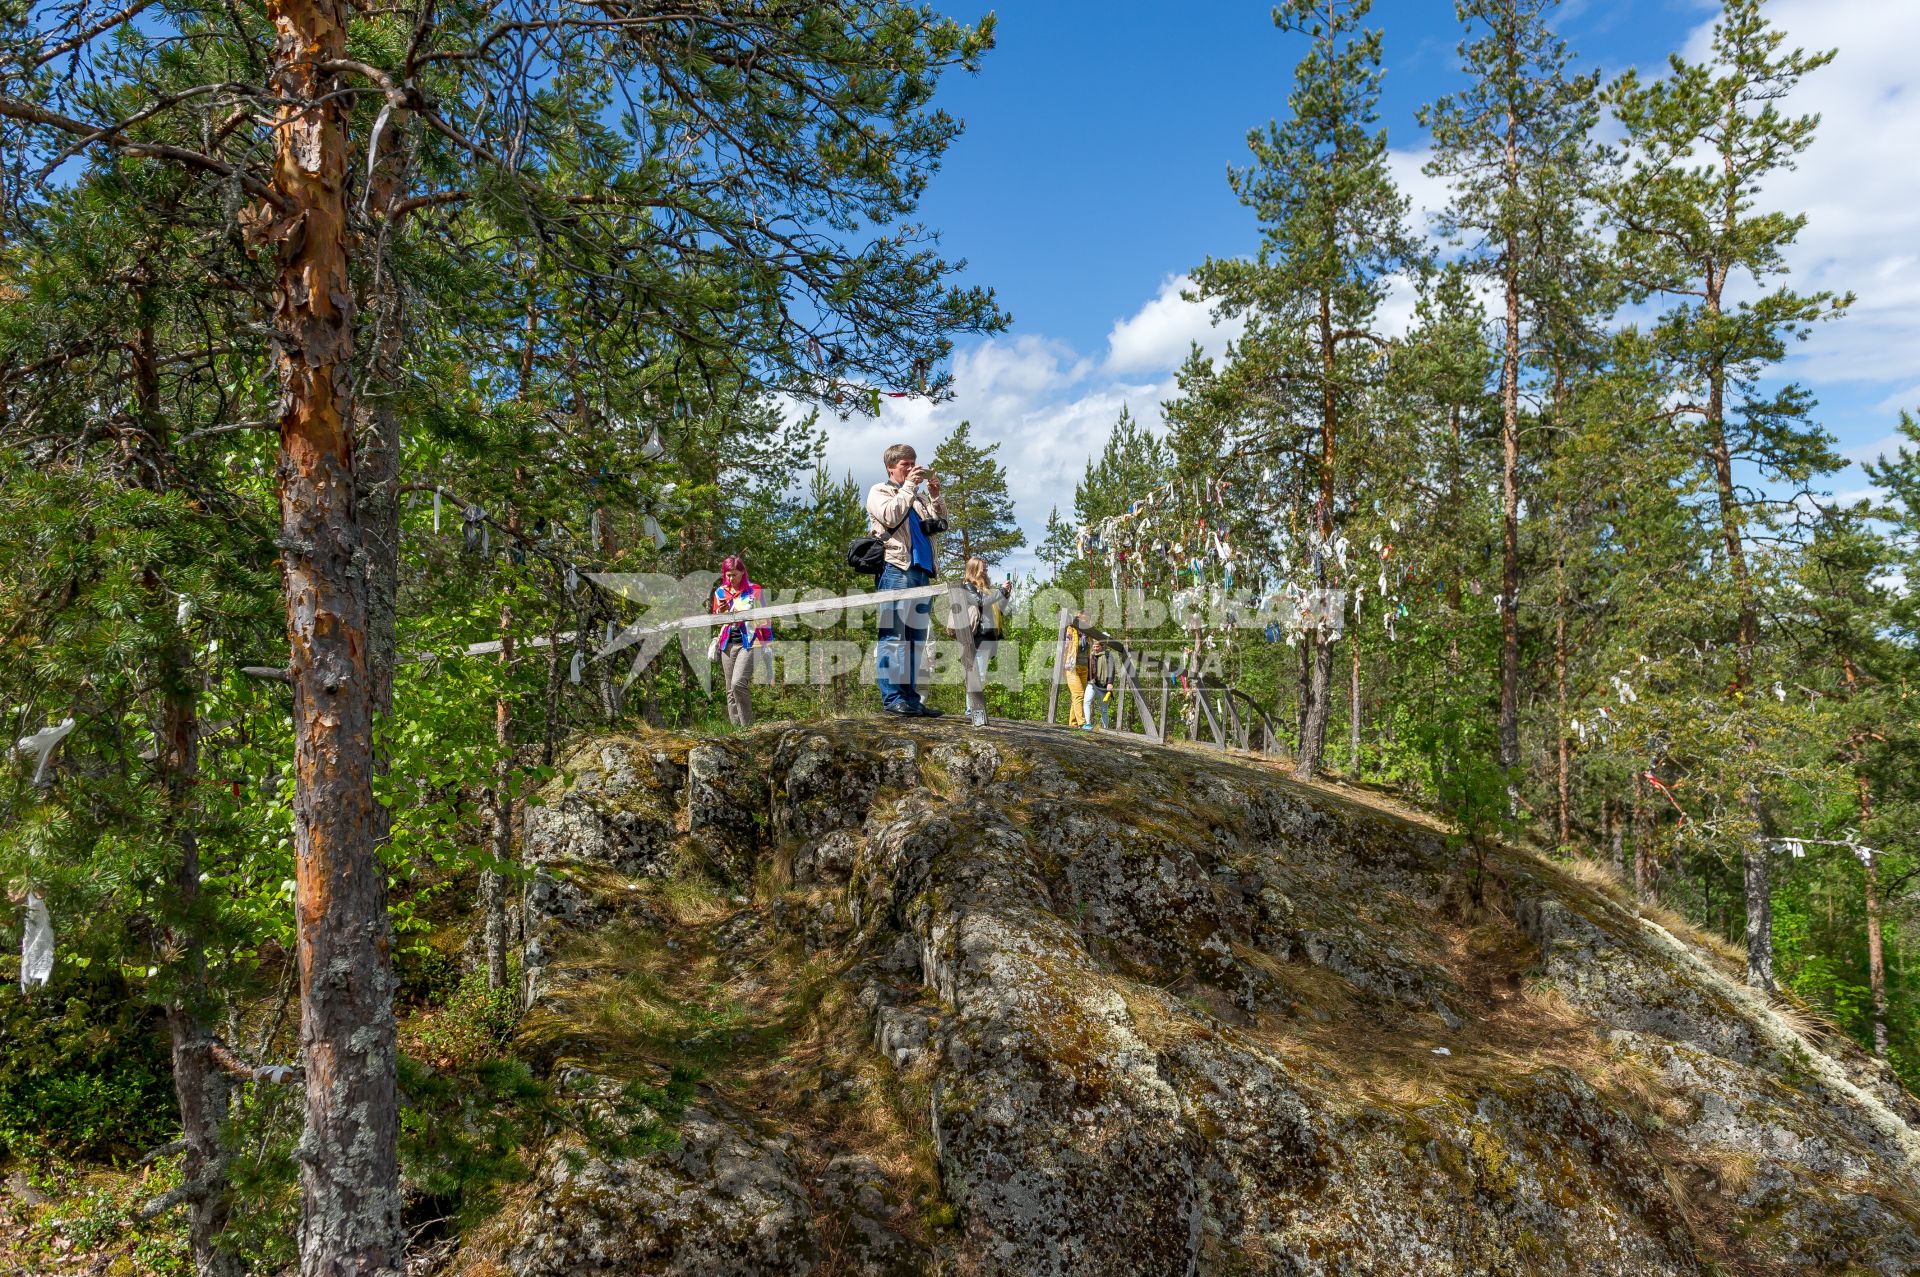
(1428, 196)
(1049, 407)
(1158, 335)
(1873, 450)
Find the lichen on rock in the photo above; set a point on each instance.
(1023, 1002)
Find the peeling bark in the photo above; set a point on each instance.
(349, 1172)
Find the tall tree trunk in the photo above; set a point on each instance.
(1759, 899)
(1510, 440)
(199, 1086)
(1313, 724)
(1510, 521)
(1876, 952)
(550, 726)
(1319, 702)
(349, 1161)
(1302, 692)
(1642, 841)
(493, 881)
(377, 430)
(1353, 709)
(1758, 889)
(1564, 790)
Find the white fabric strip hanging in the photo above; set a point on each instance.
(436, 511)
(43, 743)
(36, 945)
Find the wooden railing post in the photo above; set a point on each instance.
(1059, 638)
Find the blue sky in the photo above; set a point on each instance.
(1099, 135)
(1092, 174)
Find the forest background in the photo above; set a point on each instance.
(420, 329)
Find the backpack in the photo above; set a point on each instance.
(867, 555)
(986, 629)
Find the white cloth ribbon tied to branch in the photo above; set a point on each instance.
(43, 743)
(36, 945)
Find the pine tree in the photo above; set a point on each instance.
(1514, 145)
(1059, 551)
(1332, 232)
(1132, 464)
(1700, 144)
(979, 509)
(648, 229)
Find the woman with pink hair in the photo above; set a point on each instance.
(739, 642)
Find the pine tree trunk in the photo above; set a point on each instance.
(377, 429)
(1319, 700)
(1615, 834)
(1510, 514)
(1876, 952)
(550, 725)
(1353, 710)
(1564, 801)
(1642, 842)
(1303, 694)
(1759, 901)
(1876, 955)
(199, 1085)
(349, 1171)
(1319, 686)
(1510, 431)
(493, 882)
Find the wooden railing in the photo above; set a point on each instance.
(1231, 718)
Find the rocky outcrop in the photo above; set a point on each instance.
(1021, 1002)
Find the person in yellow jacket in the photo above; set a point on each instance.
(1073, 662)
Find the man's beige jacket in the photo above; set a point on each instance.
(887, 505)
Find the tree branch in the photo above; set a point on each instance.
(14, 108)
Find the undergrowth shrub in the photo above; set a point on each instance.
(84, 1071)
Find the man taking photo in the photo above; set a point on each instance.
(907, 512)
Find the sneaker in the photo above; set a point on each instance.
(1086, 727)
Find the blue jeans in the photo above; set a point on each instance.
(903, 636)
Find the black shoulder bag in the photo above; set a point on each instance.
(867, 555)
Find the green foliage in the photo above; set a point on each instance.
(476, 1022)
(462, 1134)
(84, 1072)
(974, 486)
